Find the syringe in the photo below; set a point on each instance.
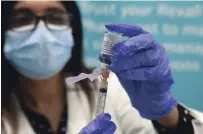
(102, 97)
(102, 93)
(110, 38)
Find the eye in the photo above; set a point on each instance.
(58, 19)
(20, 19)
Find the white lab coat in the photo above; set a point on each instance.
(127, 118)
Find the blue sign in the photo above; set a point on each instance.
(176, 25)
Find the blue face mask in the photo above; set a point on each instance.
(39, 54)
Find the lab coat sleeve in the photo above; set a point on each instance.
(129, 118)
(6, 128)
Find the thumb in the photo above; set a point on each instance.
(126, 29)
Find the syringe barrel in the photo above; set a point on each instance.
(101, 97)
(104, 84)
(101, 101)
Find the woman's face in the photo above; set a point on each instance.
(39, 39)
(28, 13)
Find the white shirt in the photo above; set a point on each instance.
(126, 118)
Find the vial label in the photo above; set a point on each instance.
(109, 41)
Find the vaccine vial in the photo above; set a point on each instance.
(110, 39)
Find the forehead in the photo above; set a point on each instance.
(39, 7)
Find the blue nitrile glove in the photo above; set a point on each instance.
(143, 69)
(102, 124)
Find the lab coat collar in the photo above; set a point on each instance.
(24, 126)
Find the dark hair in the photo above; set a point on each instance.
(9, 75)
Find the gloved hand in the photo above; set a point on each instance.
(143, 69)
(102, 124)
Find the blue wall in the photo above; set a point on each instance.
(177, 25)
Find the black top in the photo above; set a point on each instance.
(41, 125)
(184, 126)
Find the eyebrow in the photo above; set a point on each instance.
(55, 10)
(48, 10)
(25, 11)
(22, 10)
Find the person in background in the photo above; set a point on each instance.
(42, 45)
(37, 40)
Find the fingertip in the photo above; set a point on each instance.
(129, 30)
(109, 26)
(105, 116)
(112, 126)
